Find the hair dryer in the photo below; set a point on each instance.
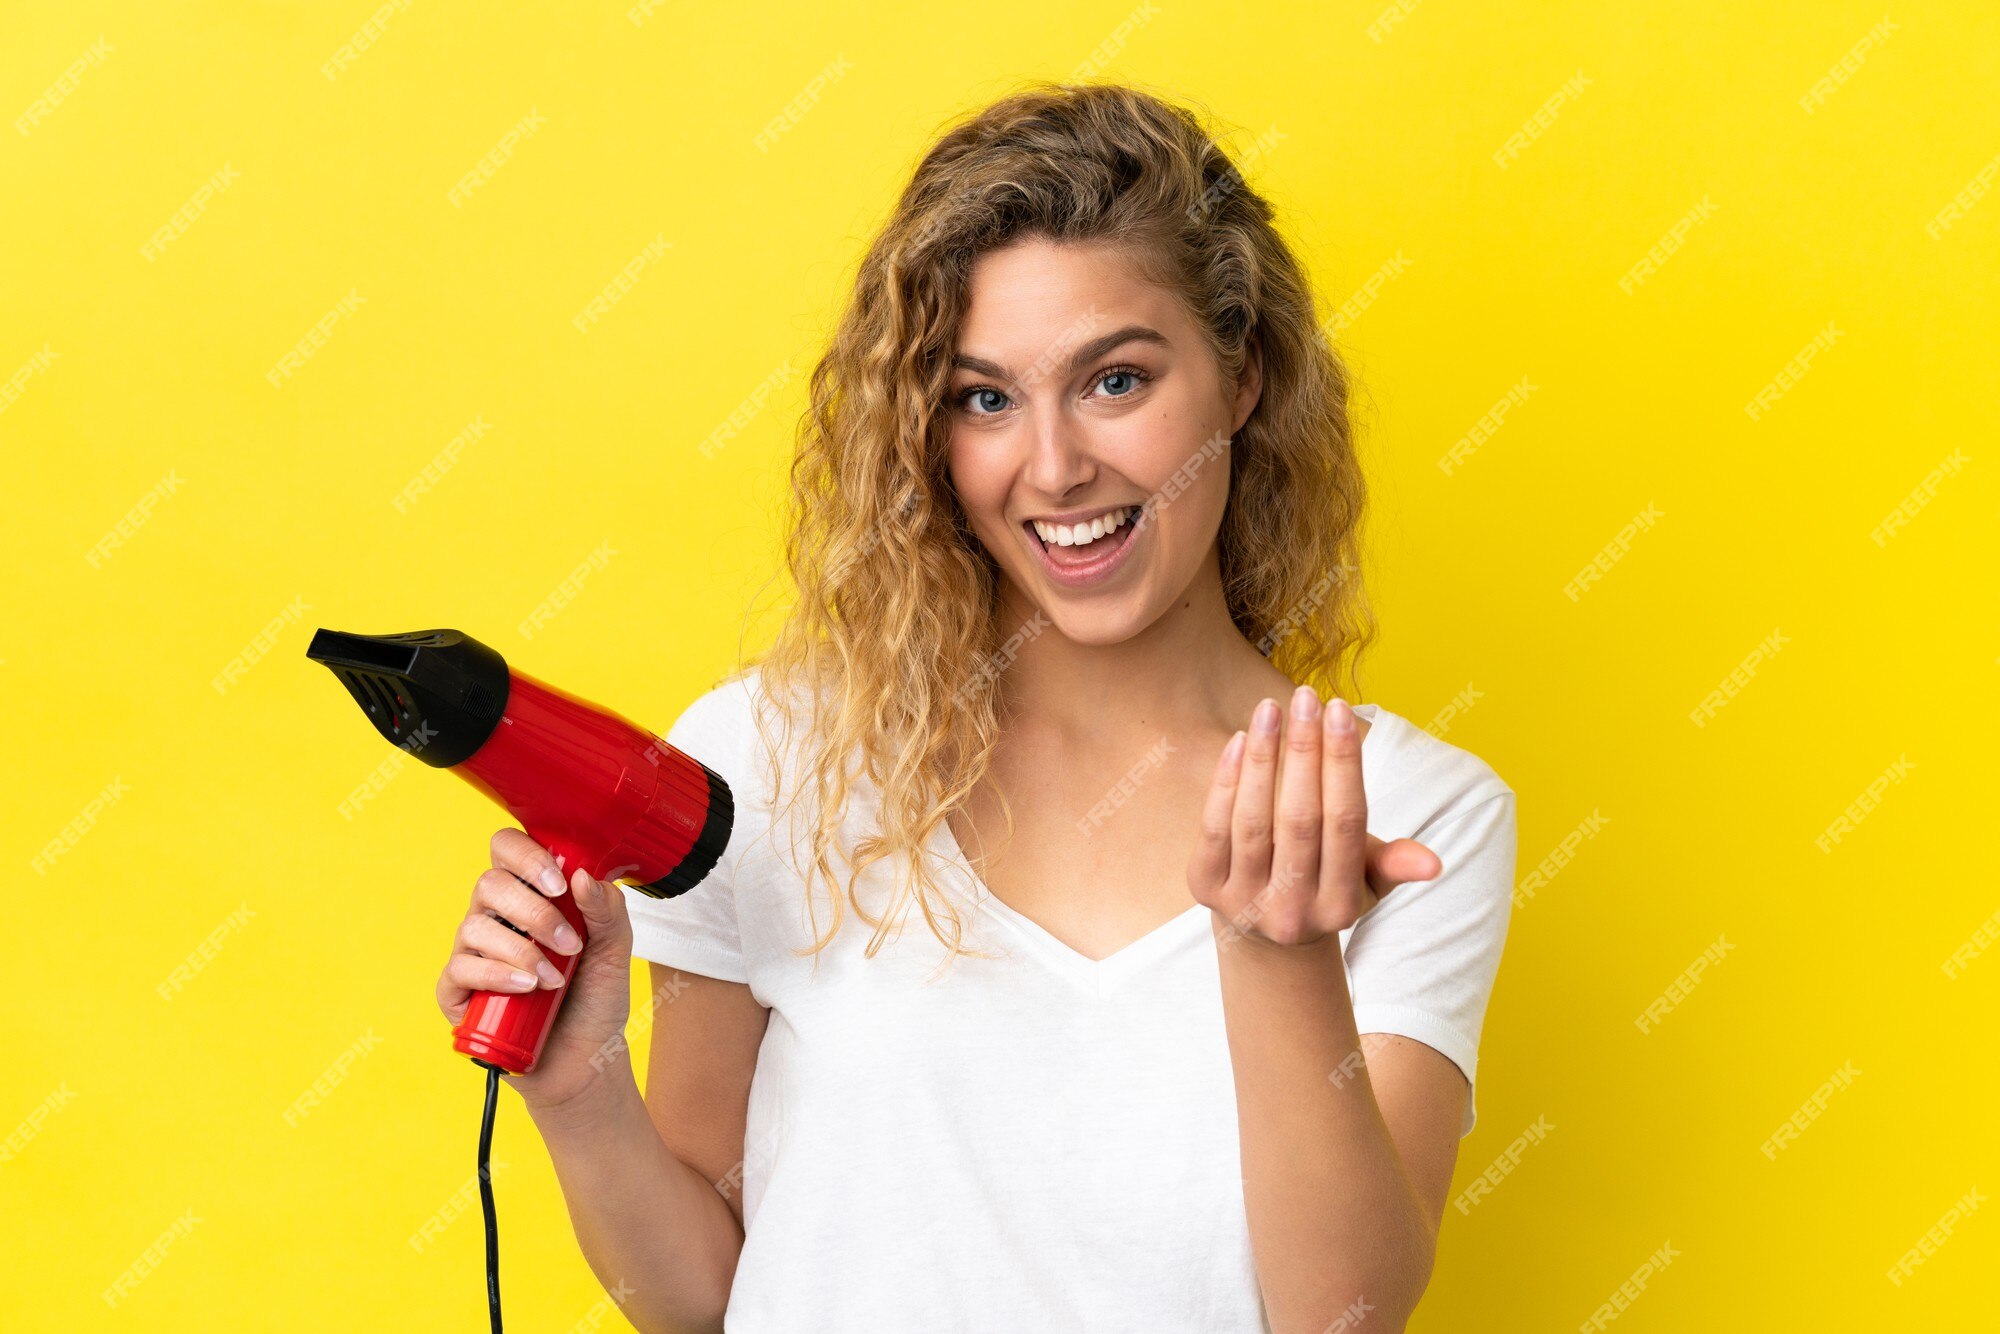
(586, 783)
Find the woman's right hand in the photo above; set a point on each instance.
(589, 1033)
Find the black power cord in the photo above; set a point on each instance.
(486, 1194)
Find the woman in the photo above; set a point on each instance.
(1076, 506)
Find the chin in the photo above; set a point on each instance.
(1100, 626)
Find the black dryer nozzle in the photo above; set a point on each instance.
(437, 694)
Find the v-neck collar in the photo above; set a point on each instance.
(1096, 976)
(1099, 977)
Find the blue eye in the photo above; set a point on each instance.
(1131, 374)
(986, 401)
(984, 393)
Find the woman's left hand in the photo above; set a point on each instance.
(1284, 853)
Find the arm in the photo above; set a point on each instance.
(637, 1176)
(1346, 1162)
(657, 1235)
(642, 1176)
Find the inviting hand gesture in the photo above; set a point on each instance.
(1284, 853)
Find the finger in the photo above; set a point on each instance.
(514, 851)
(1250, 819)
(466, 973)
(1344, 838)
(1399, 863)
(502, 894)
(493, 939)
(1295, 858)
(1208, 869)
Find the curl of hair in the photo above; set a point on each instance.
(886, 665)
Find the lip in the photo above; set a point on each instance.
(1071, 518)
(1099, 570)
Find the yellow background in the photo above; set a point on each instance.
(284, 496)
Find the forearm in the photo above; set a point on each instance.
(1334, 1216)
(656, 1232)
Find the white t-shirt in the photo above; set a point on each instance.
(1040, 1141)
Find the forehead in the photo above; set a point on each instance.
(1036, 294)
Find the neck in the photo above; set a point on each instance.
(1189, 671)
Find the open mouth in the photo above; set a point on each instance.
(1090, 559)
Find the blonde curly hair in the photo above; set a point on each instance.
(884, 666)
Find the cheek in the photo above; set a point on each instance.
(1191, 509)
(981, 488)
(1179, 459)
(1191, 523)
(962, 471)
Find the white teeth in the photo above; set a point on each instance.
(1076, 535)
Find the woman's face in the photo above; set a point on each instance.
(1080, 390)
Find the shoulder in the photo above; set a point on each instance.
(1416, 780)
(725, 712)
(721, 728)
(735, 727)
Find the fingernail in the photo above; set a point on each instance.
(1234, 750)
(1305, 703)
(550, 977)
(522, 979)
(552, 882)
(1266, 717)
(566, 940)
(1339, 718)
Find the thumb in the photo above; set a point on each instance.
(1400, 862)
(603, 907)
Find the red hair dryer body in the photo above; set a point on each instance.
(584, 782)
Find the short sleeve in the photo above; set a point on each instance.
(1422, 962)
(697, 931)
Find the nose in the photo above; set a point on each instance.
(1060, 460)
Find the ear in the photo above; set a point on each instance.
(1249, 382)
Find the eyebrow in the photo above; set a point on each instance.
(1090, 351)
